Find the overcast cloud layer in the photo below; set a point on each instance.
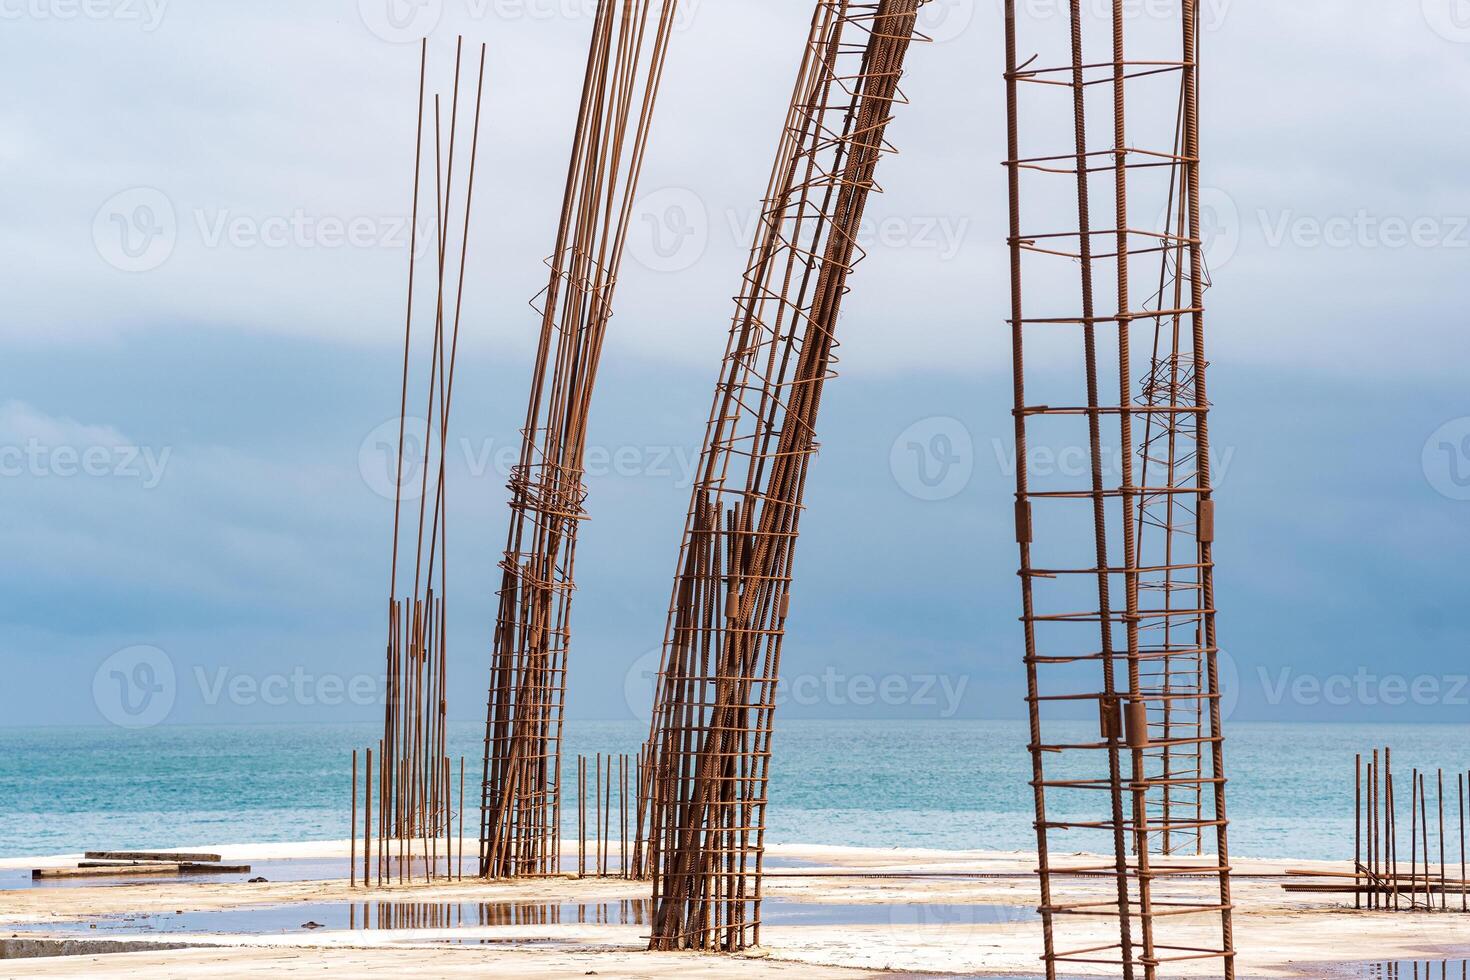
(204, 246)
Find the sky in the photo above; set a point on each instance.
(203, 250)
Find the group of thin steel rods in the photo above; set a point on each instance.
(625, 778)
(412, 765)
(1131, 788)
(710, 738)
(521, 797)
(386, 859)
(1377, 880)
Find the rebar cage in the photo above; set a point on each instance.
(709, 748)
(521, 786)
(1116, 557)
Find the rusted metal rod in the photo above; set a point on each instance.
(1439, 798)
(367, 817)
(352, 834)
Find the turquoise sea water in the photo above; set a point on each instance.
(940, 784)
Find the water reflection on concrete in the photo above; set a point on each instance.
(400, 915)
(1415, 970)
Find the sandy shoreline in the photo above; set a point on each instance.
(1277, 934)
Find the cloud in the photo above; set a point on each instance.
(210, 409)
(278, 116)
(160, 530)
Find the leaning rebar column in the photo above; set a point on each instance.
(709, 752)
(521, 799)
(1116, 569)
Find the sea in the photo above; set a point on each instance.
(930, 784)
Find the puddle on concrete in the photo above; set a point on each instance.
(1410, 970)
(283, 869)
(309, 917)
